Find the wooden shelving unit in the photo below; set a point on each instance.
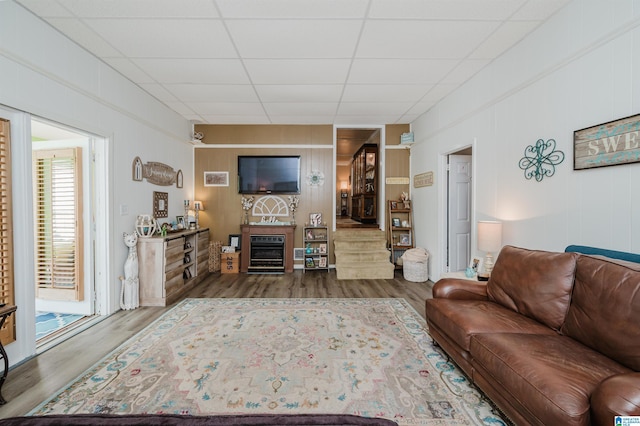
(316, 252)
(364, 184)
(399, 229)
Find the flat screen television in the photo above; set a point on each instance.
(265, 174)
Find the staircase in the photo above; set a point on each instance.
(362, 254)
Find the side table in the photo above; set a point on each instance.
(459, 275)
(5, 311)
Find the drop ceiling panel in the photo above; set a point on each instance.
(166, 38)
(314, 61)
(295, 38)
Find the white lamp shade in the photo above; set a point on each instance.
(343, 185)
(197, 205)
(489, 236)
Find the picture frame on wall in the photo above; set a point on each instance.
(216, 178)
(160, 204)
(235, 240)
(315, 219)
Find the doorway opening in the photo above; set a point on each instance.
(64, 229)
(459, 209)
(349, 204)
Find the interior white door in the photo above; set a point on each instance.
(459, 212)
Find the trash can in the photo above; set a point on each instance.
(415, 265)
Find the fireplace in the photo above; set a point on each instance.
(249, 231)
(266, 254)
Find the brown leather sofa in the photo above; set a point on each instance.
(551, 338)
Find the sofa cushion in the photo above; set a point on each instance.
(460, 319)
(534, 283)
(604, 309)
(549, 376)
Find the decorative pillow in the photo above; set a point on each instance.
(534, 283)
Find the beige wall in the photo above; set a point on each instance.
(314, 143)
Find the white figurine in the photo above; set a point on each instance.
(129, 297)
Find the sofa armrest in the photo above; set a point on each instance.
(456, 288)
(616, 396)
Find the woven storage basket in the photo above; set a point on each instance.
(215, 248)
(415, 271)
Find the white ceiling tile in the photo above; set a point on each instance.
(422, 39)
(79, 32)
(226, 108)
(235, 119)
(295, 38)
(401, 71)
(213, 92)
(539, 9)
(374, 108)
(299, 93)
(296, 71)
(300, 108)
(166, 38)
(159, 92)
(445, 9)
(195, 71)
(503, 38)
(293, 8)
(127, 68)
(464, 71)
(141, 8)
(46, 8)
(301, 119)
(180, 108)
(387, 92)
(354, 120)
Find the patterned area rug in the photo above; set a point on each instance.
(368, 357)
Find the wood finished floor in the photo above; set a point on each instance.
(34, 381)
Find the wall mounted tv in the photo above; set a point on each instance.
(268, 174)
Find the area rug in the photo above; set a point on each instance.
(365, 357)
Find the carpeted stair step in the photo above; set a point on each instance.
(362, 254)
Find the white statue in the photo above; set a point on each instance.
(129, 297)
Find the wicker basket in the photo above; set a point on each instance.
(413, 270)
(416, 272)
(215, 248)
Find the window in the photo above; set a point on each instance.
(8, 332)
(58, 224)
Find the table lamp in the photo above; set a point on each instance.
(489, 241)
(198, 207)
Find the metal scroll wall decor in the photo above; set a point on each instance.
(541, 159)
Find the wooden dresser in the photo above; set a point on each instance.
(171, 265)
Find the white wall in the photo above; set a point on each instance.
(580, 69)
(44, 74)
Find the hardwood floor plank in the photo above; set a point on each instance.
(35, 380)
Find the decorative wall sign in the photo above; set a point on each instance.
(216, 178)
(154, 172)
(160, 204)
(270, 205)
(423, 179)
(397, 180)
(609, 144)
(541, 159)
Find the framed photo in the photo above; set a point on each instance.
(235, 240)
(395, 222)
(180, 221)
(298, 254)
(160, 204)
(309, 263)
(309, 234)
(405, 240)
(216, 178)
(475, 264)
(394, 205)
(315, 219)
(322, 262)
(322, 249)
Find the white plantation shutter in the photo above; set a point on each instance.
(8, 332)
(58, 224)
